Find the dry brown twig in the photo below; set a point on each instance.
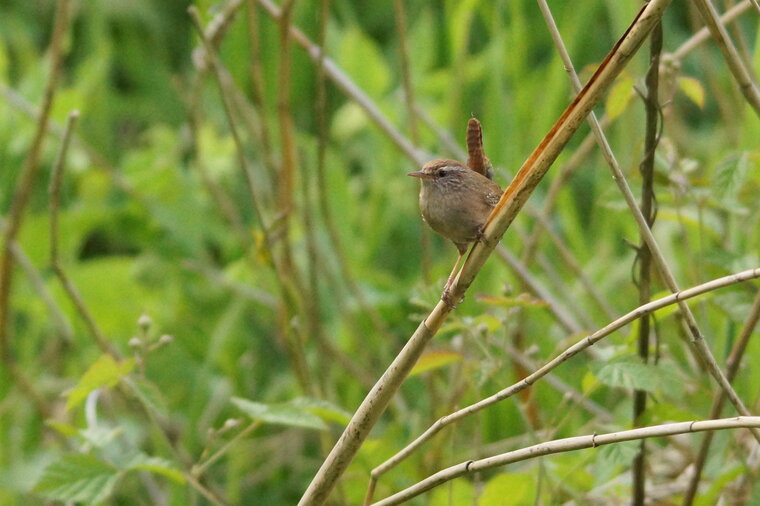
(23, 191)
(285, 283)
(56, 181)
(349, 88)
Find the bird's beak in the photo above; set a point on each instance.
(419, 174)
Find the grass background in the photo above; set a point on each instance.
(142, 232)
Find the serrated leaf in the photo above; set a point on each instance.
(619, 454)
(280, 414)
(619, 97)
(156, 465)
(100, 436)
(633, 374)
(612, 458)
(105, 372)
(326, 410)
(148, 394)
(78, 478)
(693, 89)
(434, 360)
(730, 177)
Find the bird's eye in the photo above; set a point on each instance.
(443, 173)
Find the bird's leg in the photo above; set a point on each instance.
(446, 296)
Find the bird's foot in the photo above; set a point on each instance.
(481, 237)
(447, 299)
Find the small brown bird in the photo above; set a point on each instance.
(456, 201)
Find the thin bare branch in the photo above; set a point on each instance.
(57, 315)
(530, 244)
(735, 63)
(29, 173)
(700, 347)
(704, 34)
(412, 119)
(572, 263)
(732, 367)
(573, 350)
(56, 181)
(502, 216)
(287, 284)
(23, 191)
(256, 73)
(565, 318)
(350, 88)
(222, 80)
(592, 407)
(566, 445)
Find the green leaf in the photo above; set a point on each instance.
(105, 372)
(663, 412)
(730, 177)
(619, 454)
(156, 465)
(509, 488)
(693, 89)
(62, 428)
(630, 373)
(78, 478)
(100, 436)
(280, 414)
(324, 409)
(612, 458)
(633, 375)
(619, 97)
(148, 394)
(435, 360)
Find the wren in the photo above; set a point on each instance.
(456, 201)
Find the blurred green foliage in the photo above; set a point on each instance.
(156, 219)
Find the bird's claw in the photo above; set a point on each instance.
(481, 237)
(446, 298)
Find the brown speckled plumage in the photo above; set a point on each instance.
(456, 201)
(476, 155)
